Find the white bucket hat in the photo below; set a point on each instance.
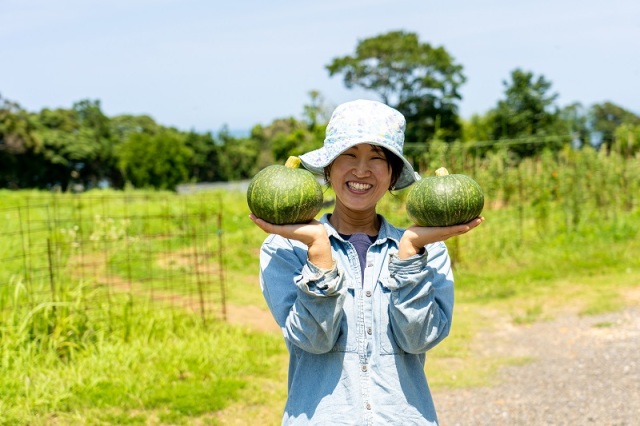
(362, 121)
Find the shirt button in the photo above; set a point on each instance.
(364, 368)
(369, 331)
(368, 293)
(368, 406)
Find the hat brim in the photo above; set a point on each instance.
(315, 161)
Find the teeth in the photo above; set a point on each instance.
(359, 186)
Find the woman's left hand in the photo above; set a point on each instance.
(416, 237)
(313, 234)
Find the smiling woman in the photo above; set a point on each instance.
(360, 176)
(359, 301)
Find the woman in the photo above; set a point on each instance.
(358, 300)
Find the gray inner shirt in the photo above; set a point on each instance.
(361, 242)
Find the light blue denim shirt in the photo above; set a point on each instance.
(357, 350)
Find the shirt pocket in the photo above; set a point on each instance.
(347, 337)
(388, 345)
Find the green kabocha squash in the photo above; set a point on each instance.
(444, 199)
(285, 194)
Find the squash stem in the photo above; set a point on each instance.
(442, 171)
(292, 162)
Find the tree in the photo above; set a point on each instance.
(316, 112)
(627, 139)
(124, 125)
(479, 128)
(606, 117)
(18, 145)
(574, 119)
(159, 161)
(205, 163)
(76, 146)
(95, 131)
(285, 137)
(241, 156)
(527, 110)
(420, 80)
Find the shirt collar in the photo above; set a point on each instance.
(387, 231)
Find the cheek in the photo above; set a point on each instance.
(339, 168)
(383, 172)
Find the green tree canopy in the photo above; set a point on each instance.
(316, 112)
(18, 143)
(205, 163)
(126, 124)
(241, 156)
(420, 80)
(606, 117)
(528, 109)
(155, 161)
(77, 144)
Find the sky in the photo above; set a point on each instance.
(204, 64)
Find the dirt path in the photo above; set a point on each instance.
(584, 371)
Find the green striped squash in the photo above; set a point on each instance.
(285, 194)
(444, 199)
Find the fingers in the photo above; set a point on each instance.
(262, 224)
(465, 227)
(422, 235)
(307, 233)
(271, 228)
(475, 222)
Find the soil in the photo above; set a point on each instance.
(583, 371)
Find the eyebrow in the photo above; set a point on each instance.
(374, 148)
(378, 150)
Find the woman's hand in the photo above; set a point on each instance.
(313, 234)
(416, 237)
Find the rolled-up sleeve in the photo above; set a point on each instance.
(305, 300)
(421, 300)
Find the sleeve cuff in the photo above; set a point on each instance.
(401, 269)
(315, 280)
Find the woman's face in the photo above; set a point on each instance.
(360, 176)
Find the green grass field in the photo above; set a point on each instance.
(533, 258)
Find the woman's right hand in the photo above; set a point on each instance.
(313, 234)
(416, 237)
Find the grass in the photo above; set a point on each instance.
(65, 364)
(168, 366)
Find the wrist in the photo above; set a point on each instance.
(406, 250)
(320, 255)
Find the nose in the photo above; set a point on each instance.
(361, 169)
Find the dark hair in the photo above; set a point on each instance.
(395, 165)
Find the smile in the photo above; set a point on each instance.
(357, 186)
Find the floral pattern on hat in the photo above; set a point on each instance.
(362, 121)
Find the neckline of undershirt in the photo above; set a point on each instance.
(359, 236)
